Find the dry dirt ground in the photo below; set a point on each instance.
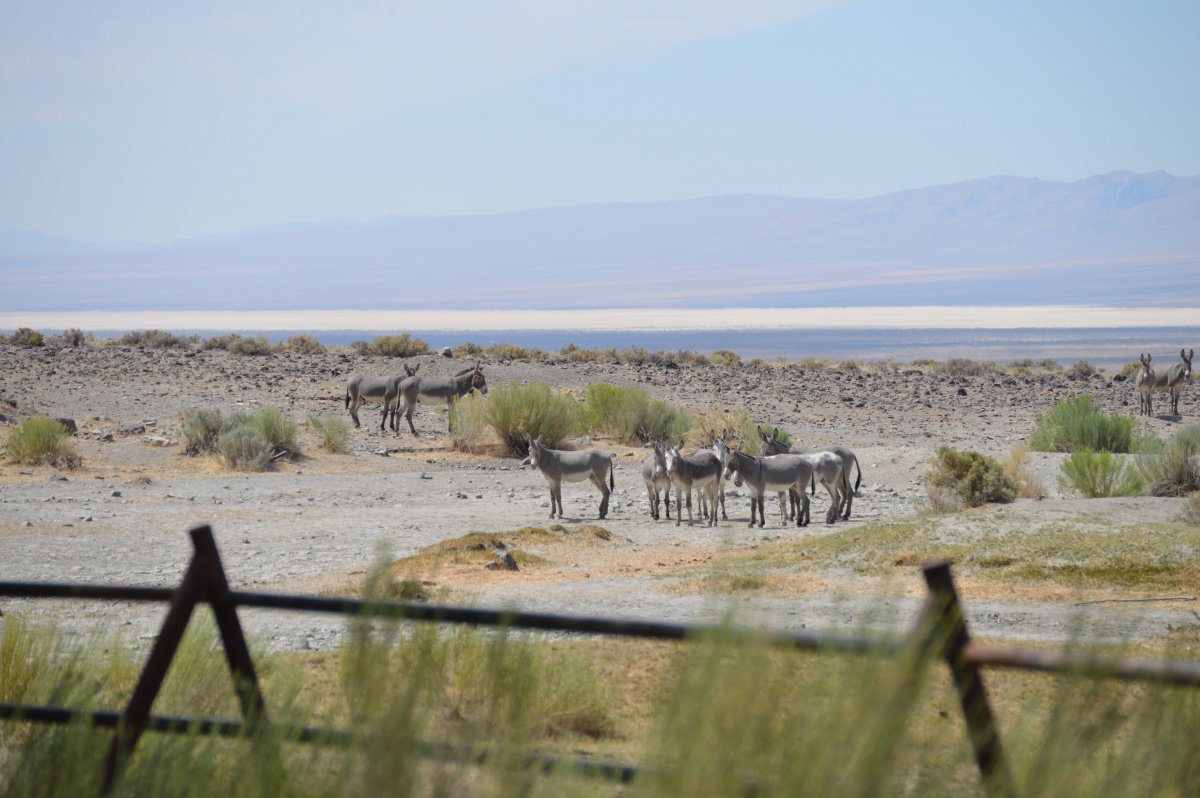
(316, 524)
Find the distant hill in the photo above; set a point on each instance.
(1118, 239)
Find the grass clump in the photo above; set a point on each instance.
(1078, 423)
(738, 427)
(276, 428)
(244, 448)
(1098, 475)
(974, 478)
(1173, 469)
(200, 429)
(498, 352)
(41, 441)
(519, 413)
(1017, 467)
(470, 427)
(332, 431)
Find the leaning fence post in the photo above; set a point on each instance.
(968, 683)
(137, 712)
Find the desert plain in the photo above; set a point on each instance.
(318, 522)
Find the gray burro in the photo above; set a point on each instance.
(1172, 379)
(559, 467)
(773, 445)
(432, 391)
(360, 390)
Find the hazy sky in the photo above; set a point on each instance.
(153, 121)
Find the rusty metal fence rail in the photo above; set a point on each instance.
(939, 631)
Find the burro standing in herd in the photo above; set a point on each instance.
(432, 391)
(773, 445)
(783, 472)
(360, 390)
(654, 474)
(701, 472)
(559, 467)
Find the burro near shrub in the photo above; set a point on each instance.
(1144, 380)
(1172, 379)
(432, 391)
(559, 467)
(360, 390)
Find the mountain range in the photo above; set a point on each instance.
(1121, 239)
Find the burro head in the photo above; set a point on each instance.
(671, 459)
(535, 450)
(729, 461)
(719, 446)
(478, 382)
(660, 460)
(1187, 363)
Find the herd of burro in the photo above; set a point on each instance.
(779, 470)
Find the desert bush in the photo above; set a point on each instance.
(1173, 468)
(302, 345)
(1078, 423)
(964, 367)
(27, 337)
(150, 339)
(520, 413)
(976, 478)
(41, 441)
(257, 345)
(200, 429)
(725, 357)
(1029, 485)
(244, 448)
(332, 431)
(1129, 370)
(630, 414)
(397, 346)
(574, 354)
(74, 337)
(468, 349)
(849, 366)
(470, 428)
(810, 363)
(1098, 475)
(1084, 368)
(738, 427)
(275, 427)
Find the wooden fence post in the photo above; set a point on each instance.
(204, 580)
(968, 682)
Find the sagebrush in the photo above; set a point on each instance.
(975, 478)
(41, 441)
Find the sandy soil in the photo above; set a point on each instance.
(316, 524)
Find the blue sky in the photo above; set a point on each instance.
(152, 121)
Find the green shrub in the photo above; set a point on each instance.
(275, 427)
(396, 346)
(1078, 423)
(332, 431)
(1173, 469)
(27, 337)
(975, 478)
(630, 415)
(470, 428)
(302, 345)
(245, 449)
(151, 339)
(725, 357)
(41, 441)
(520, 413)
(1098, 475)
(200, 429)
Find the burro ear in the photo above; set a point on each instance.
(775, 434)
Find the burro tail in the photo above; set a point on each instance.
(611, 468)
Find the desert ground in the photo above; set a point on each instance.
(317, 523)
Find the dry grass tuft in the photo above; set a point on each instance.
(1029, 484)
